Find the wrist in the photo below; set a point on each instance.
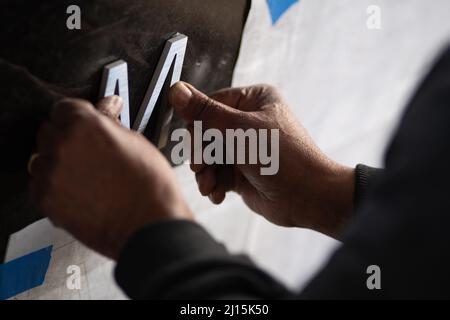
(170, 211)
(334, 200)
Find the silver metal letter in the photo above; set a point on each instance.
(115, 80)
(174, 49)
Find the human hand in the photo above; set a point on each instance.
(98, 180)
(309, 190)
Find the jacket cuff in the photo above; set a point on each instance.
(159, 247)
(365, 177)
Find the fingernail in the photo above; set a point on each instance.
(180, 95)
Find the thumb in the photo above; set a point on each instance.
(193, 105)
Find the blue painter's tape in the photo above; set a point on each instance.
(278, 8)
(24, 273)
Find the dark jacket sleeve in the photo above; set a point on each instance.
(179, 259)
(400, 227)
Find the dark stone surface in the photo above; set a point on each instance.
(42, 61)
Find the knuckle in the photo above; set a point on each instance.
(244, 91)
(270, 91)
(279, 108)
(270, 97)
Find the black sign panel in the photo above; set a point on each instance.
(41, 60)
